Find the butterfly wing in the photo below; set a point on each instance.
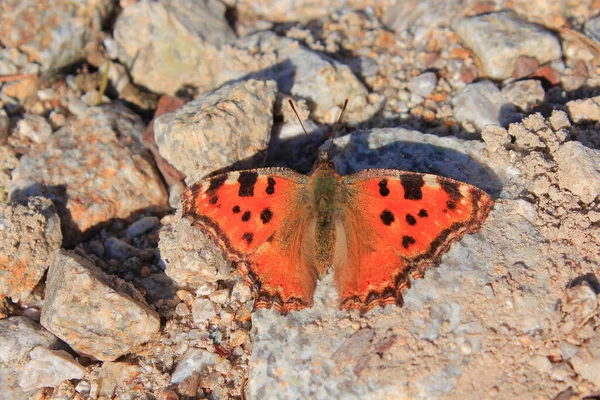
(258, 220)
(397, 223)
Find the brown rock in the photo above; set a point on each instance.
(166, 104)
(98, 315)
(524, 66)
(95, 169)
(29, 235)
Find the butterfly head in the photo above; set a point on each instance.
(323, 161)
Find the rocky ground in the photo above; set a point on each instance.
(109, 109)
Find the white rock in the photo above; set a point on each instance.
(48, 368)
(482, 104)
(195, 360)
(203, 311)
(423, 84)
(34, 128)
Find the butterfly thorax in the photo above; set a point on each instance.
(325, 205)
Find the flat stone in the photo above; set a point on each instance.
(119, 180)
(48, 368)
(219, 129)
(579, 170)
(166, 47)
(99, 316)
(55, 33)
(18, 336)
(29, 233)
(299, 71)
(499, 38)
(481, 104)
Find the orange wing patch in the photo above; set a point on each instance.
(397, 224)
(254, 217)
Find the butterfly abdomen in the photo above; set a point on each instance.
(325, 189)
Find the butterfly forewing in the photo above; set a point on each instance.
(257, 218)
(396, 224)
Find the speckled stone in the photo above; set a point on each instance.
(29, 233)
(230, 125)
(52, 33)
(98, 315)
(499, 38)
(94, 169)
(18, 336)
(48, 368)
(192, 259)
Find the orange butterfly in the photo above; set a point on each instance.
(376, 227)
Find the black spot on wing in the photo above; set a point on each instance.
(451, 204)
(412, 185)
(236, 209)
(407, 241)
(423, 213)
(411, 220)
(387, 217)
(266, 215)
(383, 189)
(270, 186)
(216, 183)
(214, 199)
(451, 188)
(246, 216)
(247, 180)
(248, 237)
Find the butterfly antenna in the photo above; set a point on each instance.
(298, 116)
(338, 122)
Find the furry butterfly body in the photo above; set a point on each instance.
(375, 228)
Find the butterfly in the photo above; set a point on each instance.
(375, 228)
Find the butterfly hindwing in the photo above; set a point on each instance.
(397, 223)
(256, 218)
